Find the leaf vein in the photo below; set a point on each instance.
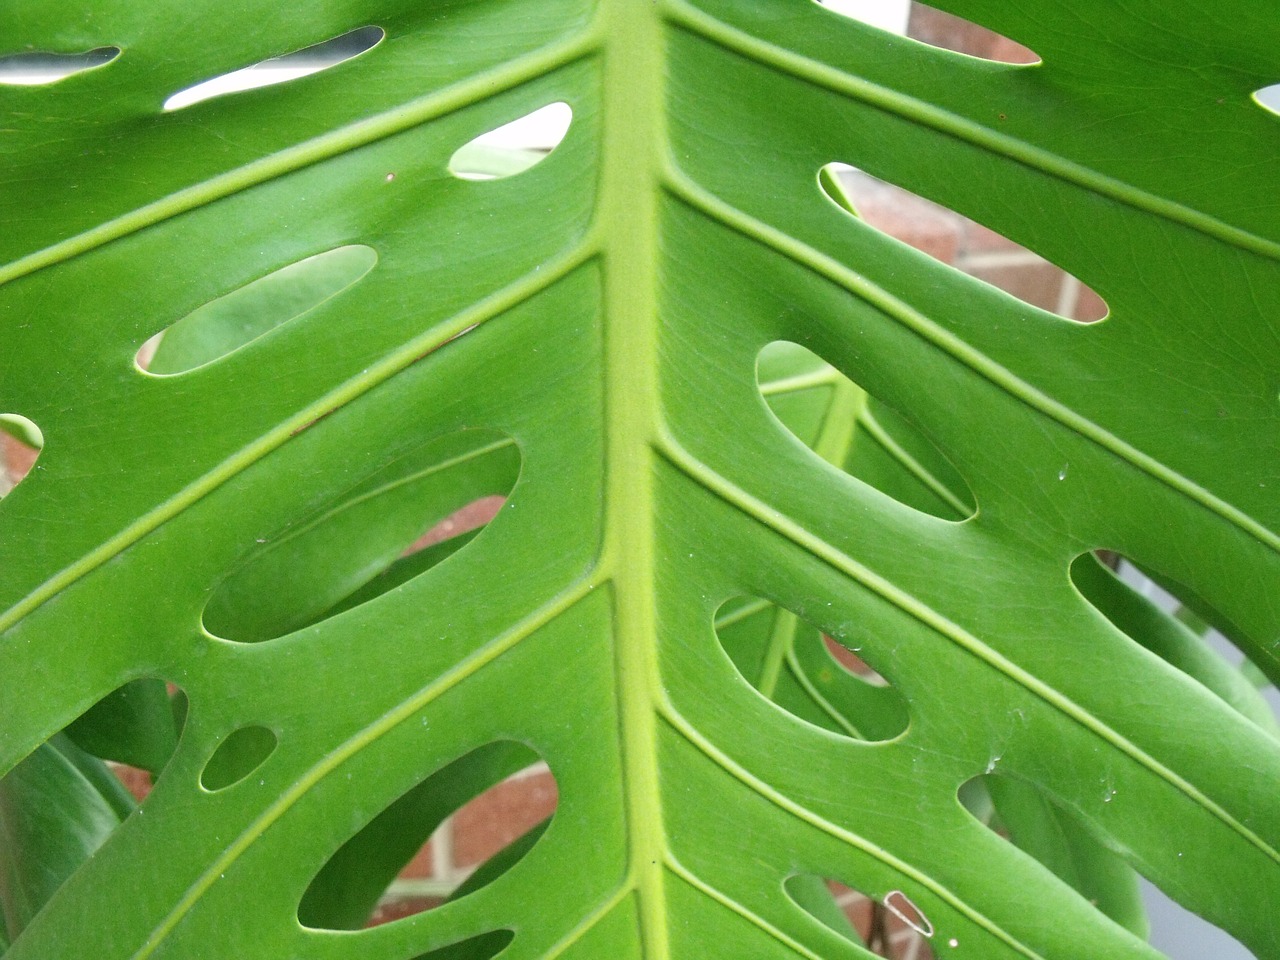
(830, 269)
(918, 610)
(479, 313)
(944, 121)
(318, 149)
(689, 877)
(713, 753)
(383, 725)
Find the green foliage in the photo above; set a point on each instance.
(731, 418)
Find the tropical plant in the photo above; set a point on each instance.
(731, 417)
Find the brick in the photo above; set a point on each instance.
(16, 458)
(856, 906)
(980, 239)
(475, 514)
(928, 227)
(852, 662)
(137, 782)
(422, 866)
(495, 818)
(901, 941)
(1036, 283)
(940, 29)
(1089, 306)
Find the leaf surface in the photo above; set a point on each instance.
(611, 313)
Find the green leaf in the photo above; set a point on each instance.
(1166, 637)
(700, 378)
(1059, 842)
(346, 891)
(133, 725)
(240, 317)
(812, 894)
(57, 807)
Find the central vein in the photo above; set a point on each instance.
(632, 154)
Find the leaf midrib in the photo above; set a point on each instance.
(632, 157)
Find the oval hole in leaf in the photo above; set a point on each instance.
(236, 319)
(886, 16)
(37, 68)
(513, 147)
(241, 753)
(134, 726)
(367, 541)
(853, 663)
(816, 403)
(946, 31)
(788, 661)
(1085, 858)
(1178, 932)
(892, 927)
(489, 808)
(20, 444)
(964, 244)
(1181, 634)
(63, 802)
(282, 69)
(1269, 98)
(1024, 815)
(483, 947)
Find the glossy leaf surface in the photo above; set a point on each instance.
(611, 313)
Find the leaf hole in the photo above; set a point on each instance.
(60, 804)
(395, 524)
(1182, 631)
(282, 69)
(234, 320)
(788, 661)
(937, 28)
(20, 444)
(854, 664)
(1029, 819)
(135, 727)
(891, 926)
(240, 754)
(483, 947)
(902, 907)
(816, 402)
(886, 16)
(968, 246)
(1268, 98)
(1089, 861)
(39, 68)
(1177, 932)
(451, 835)
(513, 147)
(467, 520)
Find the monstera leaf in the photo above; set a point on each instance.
(732, 419)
